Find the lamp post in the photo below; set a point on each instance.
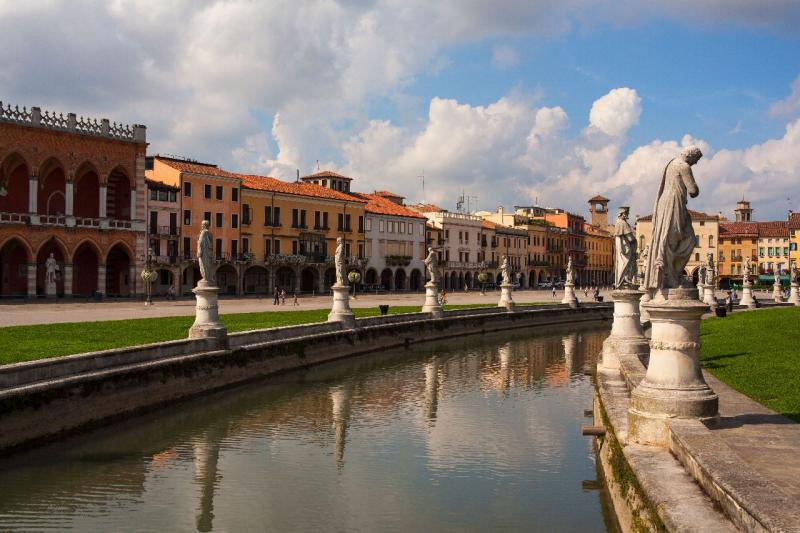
(148, 277)
(354, 277)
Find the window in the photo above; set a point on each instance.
(697, 257)
(234, 220)
(153, 194)
(218, 248)
(267, 247)
(235, 194)
(187, 247)
(219, 192)
(361, 250)
(234, 248)
(267, 216)
(368, 224)
(218, 222)
(294, 247)
(294, 217)
(401, 227)
(347, 227)
(187, 189)
(303, 218)
(325, 220)
(276, 247)
(246, 214)
(360, 224)
(207, 191)
(422, 230)
(697, 241)
(710, 241)
(380, 225)
(207, 216)
(761, 252)
(317, 220)
(410, 228)
(276, 216)
(340, 222)
(173, 196)
(391, 226)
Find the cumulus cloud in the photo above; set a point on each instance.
(789, 105)
(616, 112)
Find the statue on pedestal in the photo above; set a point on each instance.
(777, 276)
(570, 275)
(340, 262)
(625, 252)
(505, 270)
(746, 269)
(205, 252)
(432, 265)
(673, 238)
(51, 267)
(711, 269)
(702, 275)
(793, 278)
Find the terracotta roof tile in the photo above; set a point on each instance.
(696, 215)
(388, 193)
(379, 205)
(327, 174)
(794, 221)
(266, 183)
(773, 229)
(426, 208)
(738, 229)
(198, 168)
(599, 198)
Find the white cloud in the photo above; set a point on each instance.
(504, 57)
(616, 112)
(789, 105)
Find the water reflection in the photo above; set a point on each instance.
(475, 433)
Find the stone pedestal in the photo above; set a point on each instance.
(341, 312)
(432, 303)
(50, 290)
(506, 299)
(626, 330)
(777, 293)
(708, 296)
(206, 319)
(794, 294)
(747, 295)
(701, 291)
(673, 386)
(569, 295)
(644, 316)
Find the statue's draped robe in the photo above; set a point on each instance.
(624, 254)
(673, 237)
(204, 253)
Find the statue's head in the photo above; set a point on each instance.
(205, 224)
(623, 211)
(691, 154)
(51, 255)
(430, 249)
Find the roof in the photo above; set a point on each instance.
(266, 183)
(794, 220)
(738, 229)
(598, 198)
(327, 174)
(388, 193)
(426, 208)
(197, 168)
(696, 215)
(381, 206)
(773, 229)
(160, 185)
(488, 224)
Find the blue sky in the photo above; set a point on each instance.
(510, 100)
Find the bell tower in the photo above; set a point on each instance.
(743, 211)
(598, 208)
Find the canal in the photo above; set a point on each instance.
(478, 433)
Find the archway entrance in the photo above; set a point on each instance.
(256, 280)
(85, 263)
(468, 280)
(400, 280)
(330, 278)
(284, 279)
(14, 176)
(118, 196)
(86, 193)
(226, 279)
(13, 269)
(386, 279)
(371, 277)
(189, 278)
(308, 280)
(415, 283)
(118, 263)
(51, 246)
(52, 184)
(165, 280)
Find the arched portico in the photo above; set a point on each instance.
(118, 271)
(415, 283)
(85, 269)
(387, 279)
(227, 278)
(86, 191)
(14, 259)
(400, 280)
(256, 280)
(55, 247)
(14, 187)
(309, 280)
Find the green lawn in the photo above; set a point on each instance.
(26, 343)
(758, 354)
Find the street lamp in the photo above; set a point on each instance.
(148, 277)
(354, 277)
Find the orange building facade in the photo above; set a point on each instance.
(73, 188)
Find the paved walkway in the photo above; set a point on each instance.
(17, 313)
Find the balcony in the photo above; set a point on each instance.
(170, 231)
(398, 260)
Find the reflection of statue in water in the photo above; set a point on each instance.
(570, 277)
(339, 259)
(432, 265)
(625, 253)
(205, 247)
(505, 269)
(673, 238)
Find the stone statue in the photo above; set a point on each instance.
(51, 267)
(673, 238)
(711, 269)
(505, 270)
(777, 276)
(341, 263)
(205, 247)
(432, 264)
(625, 252)
(570, 273)
(746, 269)
(702, 276)
(793, 274)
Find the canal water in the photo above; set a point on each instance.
(480, 433)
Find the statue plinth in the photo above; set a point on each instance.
(644, 316)
(341, 312)
(506, 300)
(432, 303)
(50, 289)
(206, 319)
(794, 294)
(626, 330)
(747, 295)
(673, 386)
(569, 295)
(709, 298)
(777, 293)
(701, 291)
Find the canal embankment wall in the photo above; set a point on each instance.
(43, 400)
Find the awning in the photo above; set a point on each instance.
(770, 278)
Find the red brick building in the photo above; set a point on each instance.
(74, 188)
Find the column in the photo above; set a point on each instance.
(31, 280)
(133, 278)
(101, 279)
(133, 204)
(69, 199)
(67, 279)
(103, 199)
(33, 200)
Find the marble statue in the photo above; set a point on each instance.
(570, 273)
(432, 264)
(793, 274)
(711, 269)
(702, 275)
(746, 269)
(625, 251)
(51, 266)
(339, 259)
(505, 269)
(673, 239)
(205, 247)
(776, 276)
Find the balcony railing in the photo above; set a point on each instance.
(15, 218)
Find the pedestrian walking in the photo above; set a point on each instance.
(276, 296)
(283, 296)
(554, 291)
(295, 302)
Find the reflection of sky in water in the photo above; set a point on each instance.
(471, 434)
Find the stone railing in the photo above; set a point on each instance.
(15, 218)
(71, 123)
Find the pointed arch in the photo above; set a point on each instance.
(52, 187)
(118, 194)
(15, 255)
(14, 189)
(86, 191)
